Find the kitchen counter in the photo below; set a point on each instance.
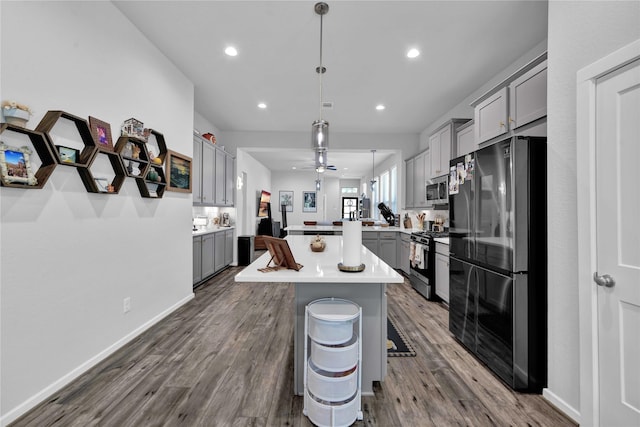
(444, 240)
(320, 278)
(321, 266)
(203, 231)
(337, 229)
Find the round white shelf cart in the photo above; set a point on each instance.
(333, 360)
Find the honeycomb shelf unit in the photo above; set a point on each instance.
(154, 182)
(41, 146)
(135, 157)
(91, 182)
(85, 156)
(162, 146)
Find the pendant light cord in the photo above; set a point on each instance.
(321, 69)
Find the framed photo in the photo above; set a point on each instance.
(178, 172)
(101, 132)
(309, 201)
(67, 154)
(15, 166)
(286, 199)
(264, 204)
(102, 184)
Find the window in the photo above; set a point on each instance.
(393, 190)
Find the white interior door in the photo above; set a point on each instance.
(618, 245)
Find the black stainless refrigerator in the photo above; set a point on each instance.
(498, 258)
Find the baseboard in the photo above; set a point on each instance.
(561, 405)
(36, 399)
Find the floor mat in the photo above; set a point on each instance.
(397, 343)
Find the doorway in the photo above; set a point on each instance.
(349, 207)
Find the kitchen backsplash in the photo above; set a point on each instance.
(213, 216)
(429, 215)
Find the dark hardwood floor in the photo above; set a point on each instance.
(226, 359)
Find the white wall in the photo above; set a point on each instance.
(579, 34)
(68, 257)
(258, 178)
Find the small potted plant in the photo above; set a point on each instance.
(15, 114)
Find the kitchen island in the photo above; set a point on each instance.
(320, 278)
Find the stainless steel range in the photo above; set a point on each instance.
(423, 266)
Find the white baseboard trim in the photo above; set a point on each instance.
(34, 400)
(562, 406)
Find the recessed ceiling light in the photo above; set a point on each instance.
(293, 167)
(413, 53)
(380, 107)
(231, 51)
(262, 105)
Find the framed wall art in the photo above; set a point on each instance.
(178, 172)
(68, 154)
(309, 201)
(15, 166)
(101, 132)
(286, 199)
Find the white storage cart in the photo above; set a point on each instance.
(333, 360)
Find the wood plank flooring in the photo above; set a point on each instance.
(226, 359)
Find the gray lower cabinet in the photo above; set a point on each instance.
(211, 253)
(442, 271)
(228, 247)
(208, 254)
(403, 253)
(370, 241)
(197, 259)
(388, 248)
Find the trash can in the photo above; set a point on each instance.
(245, 250)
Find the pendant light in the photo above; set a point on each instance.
(373, 168)
(320, 128)
(318, 182)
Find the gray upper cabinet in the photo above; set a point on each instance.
(196, 171)
(466, 139)
(419, 179)
(409, 180)
(514, 103)
(491, 116)
(213, 180)
(442, 147)
(528, 97)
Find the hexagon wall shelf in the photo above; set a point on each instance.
(135, 158)
(42, 148)
(85, 156)
(91, 183)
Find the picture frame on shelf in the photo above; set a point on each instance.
(309, 201)
(286, 199)
(15, 165)
(101, 132)
(102, 184)
(178, 172)
(68, 154)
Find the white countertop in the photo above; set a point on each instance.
(202, 231)
(320, 266)
(339, 228)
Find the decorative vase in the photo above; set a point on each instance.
(16, 116)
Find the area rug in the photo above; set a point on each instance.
(397, 343)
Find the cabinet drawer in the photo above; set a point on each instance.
(388, 235)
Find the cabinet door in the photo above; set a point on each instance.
(419, 195)
(228, 247)
(371, 244)
(434, 152)
(403, 262)
(388, 251)
(208, 164)
(410, 183)
(196, 181)
(208, 251)
(230, 180)
(466, 141)
(528, 97)
(197, 259)
(219, 178)
(219, 251)
(442, 277)
(490, 116)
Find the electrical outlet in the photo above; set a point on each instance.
(127, 304)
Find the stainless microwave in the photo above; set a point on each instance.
(438, 191)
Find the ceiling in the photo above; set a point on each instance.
(463, 44)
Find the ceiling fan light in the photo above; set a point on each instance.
(320, 135)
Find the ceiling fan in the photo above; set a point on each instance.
(328, 167)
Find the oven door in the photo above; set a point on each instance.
(419, 276)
